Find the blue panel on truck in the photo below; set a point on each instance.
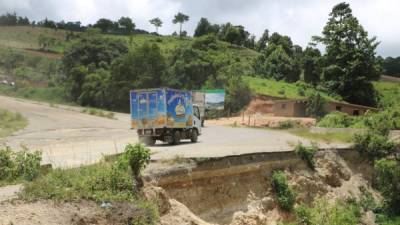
(158, 108)
(179, 108)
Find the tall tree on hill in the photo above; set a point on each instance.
(350, 61)
(262, 42)
(127, 24)
(204, 27)
(312, 65)
(105, 25)
(180, 18)
(156, 22)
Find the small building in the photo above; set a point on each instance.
(297, 108)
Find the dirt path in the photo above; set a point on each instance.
(68, 137)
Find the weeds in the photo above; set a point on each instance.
(323, 212)
(286, 195)
(11, 122)
(23, 165)
(373, 145)
(288, 124)
(98, 112)
(307, 154)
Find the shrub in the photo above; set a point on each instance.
(307, 154)
(286, 195)
(315, 105)
(288, 124)
(373, 145)
(323, 212)
(27, 164)
(22, 164)
(388, 179)
(335, 120)
(6, 164)
(99, 182)
(136, 157)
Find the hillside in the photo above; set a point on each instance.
(17, 41)
(283, 89)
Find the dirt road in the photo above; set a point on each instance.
(68, 137)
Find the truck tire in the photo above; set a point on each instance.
(194, 135)
(149, 141)
(176, 137)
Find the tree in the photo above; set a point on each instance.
(142, 67)
(315, 105)
(350, 63)
(204, 27)
(156, 22)
(127, 24)
(86, 56)
(262, 42)
(312, 66)
(276, 63)
(105, 25)
(238, 93)
(180, 18)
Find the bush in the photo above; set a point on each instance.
(323, 212)
(6, 164)
(27, 164)
(307, 154)
(373, 145)
(22, 164)
(335, 120)
(136, 157)
(288, 124)
(315, 105)
(99, 182)
(388, 179)
(286, 195)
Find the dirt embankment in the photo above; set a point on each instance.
(236, 190)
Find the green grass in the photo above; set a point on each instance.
(389, 93)
(11, 122)
(53, 95)
(330, 137)
(99, 112)
(282, 89)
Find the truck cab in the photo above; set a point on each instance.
(164, 114)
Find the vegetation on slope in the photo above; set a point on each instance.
(11, 122)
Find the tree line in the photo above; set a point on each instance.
(347, 67)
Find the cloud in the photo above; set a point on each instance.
(297, 18)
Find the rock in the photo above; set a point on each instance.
(249, 218)
(268, 203)
(159, 197)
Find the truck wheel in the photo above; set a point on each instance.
(149, 141)
(194, 136)
(177, 137)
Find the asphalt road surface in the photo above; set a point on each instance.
(67, 137)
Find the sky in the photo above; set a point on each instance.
(299, 19)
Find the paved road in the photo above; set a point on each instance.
(68, 137)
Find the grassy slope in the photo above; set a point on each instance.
(389, 92)
(11, 122)
(279, 88)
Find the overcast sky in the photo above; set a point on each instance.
(300, 19)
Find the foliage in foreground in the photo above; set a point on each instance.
(307, 154)
(373, 145)
(285, 194)
(21, 165)
(323, 212)
(388, 179)
(104, 181)
(11, 122)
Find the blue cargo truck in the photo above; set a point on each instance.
(164, 114)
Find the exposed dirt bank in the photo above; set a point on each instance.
(236, 190)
